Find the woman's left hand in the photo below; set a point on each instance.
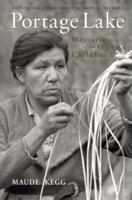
(122, 73)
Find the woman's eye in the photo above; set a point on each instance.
(42, 67)
(60, 66)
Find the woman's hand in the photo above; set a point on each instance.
(122, 73)
(57, 117)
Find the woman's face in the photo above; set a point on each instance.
(44, 76)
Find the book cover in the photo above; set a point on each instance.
(94, 30)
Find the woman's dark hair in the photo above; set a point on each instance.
(30, 45)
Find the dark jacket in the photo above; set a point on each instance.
(66, 161)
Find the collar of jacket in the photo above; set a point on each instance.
(68, 141)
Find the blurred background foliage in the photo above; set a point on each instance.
(82, 70)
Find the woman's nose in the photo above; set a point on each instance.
(52, 74)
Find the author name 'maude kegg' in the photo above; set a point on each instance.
(65, 24)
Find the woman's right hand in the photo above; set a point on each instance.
(56, 117)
